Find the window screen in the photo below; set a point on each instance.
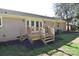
(37, 24)
(0, 21)
(57, 24)
(27, 23)
(32, 23)
(40, 24)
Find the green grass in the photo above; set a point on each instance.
(51, 49)
(13, 50)
(65, 40)
(73, 49)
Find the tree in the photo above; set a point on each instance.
(77, 10)
(66, 11)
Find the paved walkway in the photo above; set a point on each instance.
(60, 51)
(76, 41)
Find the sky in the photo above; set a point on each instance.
(40, 7)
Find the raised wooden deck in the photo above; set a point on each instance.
(45, 34)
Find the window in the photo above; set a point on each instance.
(44, 22)
(37, 24)
(57, 24)
(40, 24)
(0, 22)
(23, 20)
(32, 23)
(27, 23)
(5, 12)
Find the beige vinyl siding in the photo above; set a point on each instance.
(12, 27)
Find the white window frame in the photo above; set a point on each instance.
(1, 22)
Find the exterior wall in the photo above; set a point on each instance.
(15, 26)
(40, 19)
(12, 27)
(54, 23)
(35, 19)
(62, 25)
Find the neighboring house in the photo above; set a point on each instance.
(74, 23)
(14, 23)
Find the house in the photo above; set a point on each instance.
(14, 24)
(74, 24)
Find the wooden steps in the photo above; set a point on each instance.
(47, 39)
(48, 35)
(33, 36)
(42, 35)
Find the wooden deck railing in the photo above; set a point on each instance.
(41, 34)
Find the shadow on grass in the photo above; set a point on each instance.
(39, 48)
(61, 40)
(71, 46)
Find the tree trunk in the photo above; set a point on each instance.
(67, 26)
(67, 20)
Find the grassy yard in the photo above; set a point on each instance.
(63, 45)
